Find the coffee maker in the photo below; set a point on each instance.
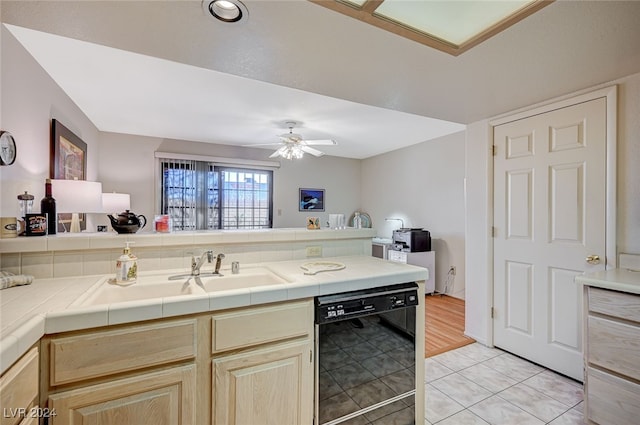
(411, 240)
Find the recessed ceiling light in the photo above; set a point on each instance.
(226, 10)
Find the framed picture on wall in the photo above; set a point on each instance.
(67, 161)
(311, 200)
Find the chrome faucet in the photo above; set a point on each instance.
(197, 263)
(218, 263)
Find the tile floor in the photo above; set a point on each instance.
(477, 385)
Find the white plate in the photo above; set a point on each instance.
(321, 266)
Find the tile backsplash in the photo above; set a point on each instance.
(84, 262)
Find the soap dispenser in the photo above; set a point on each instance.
(126, 267)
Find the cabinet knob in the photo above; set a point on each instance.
(593, 259)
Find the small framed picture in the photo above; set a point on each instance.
(313, 223)
(311, 200)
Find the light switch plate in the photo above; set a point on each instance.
(314, 251)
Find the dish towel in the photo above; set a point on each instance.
(8, 279)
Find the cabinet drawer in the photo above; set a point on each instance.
(611, 400)
(166, 397)
(92, 355)
(614, 346)
(616, 304)
(19, 387)
(258, 325)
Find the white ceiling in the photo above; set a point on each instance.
(165, 69)
(130, 93)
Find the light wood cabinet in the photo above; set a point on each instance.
(19, 391)
(246, 366)
(258, 325)
(143, 374)
(262, 365)
(270, 385)
(612, 357)
(107, 352)
(159, 398)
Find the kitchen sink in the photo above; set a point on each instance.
(247, 278)
(161, 286)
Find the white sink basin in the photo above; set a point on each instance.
(247, 278)
(160, 286)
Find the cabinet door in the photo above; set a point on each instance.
(160, 398)
(19, 388)
(270, 385)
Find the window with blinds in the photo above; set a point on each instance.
(201, 195)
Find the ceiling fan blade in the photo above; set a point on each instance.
(312, 151)
(262, 144)
(279, 152)
(322, 142)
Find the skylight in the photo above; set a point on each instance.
(452, 26)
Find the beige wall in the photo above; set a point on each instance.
(478, 174)
(423, 185)
(30, 99)
(127, 165)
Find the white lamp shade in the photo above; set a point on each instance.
(115, 202)
(77, 196)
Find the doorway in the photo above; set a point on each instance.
(550, 213)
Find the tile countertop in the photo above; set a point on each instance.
(47, 305)
(112, 240)
(623, 280)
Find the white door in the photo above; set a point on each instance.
(549, 215)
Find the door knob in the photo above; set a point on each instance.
(593, 259)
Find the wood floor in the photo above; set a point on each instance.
(444, 324)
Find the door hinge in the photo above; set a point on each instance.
(494, 150)
(493, 231)
(310, 356)
(492, 313)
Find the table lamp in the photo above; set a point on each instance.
(76, 197)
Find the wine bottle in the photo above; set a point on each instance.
(48, 206)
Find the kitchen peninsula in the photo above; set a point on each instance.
(195, 358)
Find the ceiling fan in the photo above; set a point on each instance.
(293, 146)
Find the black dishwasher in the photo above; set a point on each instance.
(365, 368)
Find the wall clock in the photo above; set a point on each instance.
(7, 148)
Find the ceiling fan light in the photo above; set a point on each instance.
(291, 152)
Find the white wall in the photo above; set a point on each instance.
(628, 170)
(127, 165)
(478, 217)
(424, 185)
(30, 100)
(478, 171)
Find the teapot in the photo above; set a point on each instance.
(127, 222)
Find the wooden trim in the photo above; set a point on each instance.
(367, 14)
